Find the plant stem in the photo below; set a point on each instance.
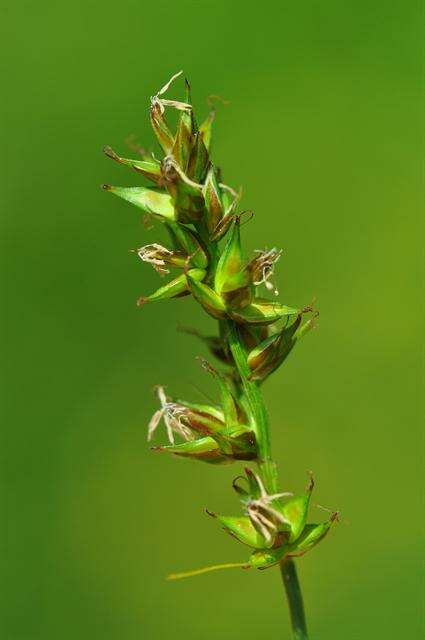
(268, 471)
(295, 599)
(255, 400)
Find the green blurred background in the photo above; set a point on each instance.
(324, 132)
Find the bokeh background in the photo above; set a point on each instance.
(324, 132)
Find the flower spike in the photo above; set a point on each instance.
(256, 334)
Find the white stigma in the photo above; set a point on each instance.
(161, 103)
(264, 267)
(173, 415)
(262, 514)
(154, 254)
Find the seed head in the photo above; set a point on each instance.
(198, 209)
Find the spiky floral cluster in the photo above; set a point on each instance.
(256, 334)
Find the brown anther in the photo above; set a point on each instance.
(311, 483)
(206, 365)
(108, 151)
(250, 214)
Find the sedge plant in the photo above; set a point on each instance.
(256, 333)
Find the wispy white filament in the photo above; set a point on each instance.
(262, 514)
(173, 415)
(264, 265)
(154, 255)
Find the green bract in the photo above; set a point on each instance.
(204, 258)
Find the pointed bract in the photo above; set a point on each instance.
(230, 274)
(150, 201)
(149, 168)
(190, 243)
(204, 449)
(206, 128)
(207, 297)
(198, 160)
(262, 311)
(295, 513)
(241, 528)
(213, 203)
(161, 128)
(174, 288)
(312, 535)
(272, 351)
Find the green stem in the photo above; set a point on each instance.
(258, 410)
(252, 393)
(268, 471)
(295, 599)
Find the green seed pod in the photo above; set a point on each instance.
(202, 420)
(242, 443)
(150, 168)
(188, 115)
(185, 138)
(230, 274)
(276, 349)
(268, 349)
(242, 529)
(312, 535)
(213, 202)
(206, 128)
(295, 513)
(207, 297)
(238, 298)
(222, 227)
(175, 288)
(203, 449)
(252, 335)
(262, 311)
(187, 195)
(265, 559)
(198, 161)
(272, 351)
(232, 280)
(182, 145)
(154, 202)
(215, 447)
(229, 216)
(188, 241)
(161, 128)
(239, 444)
